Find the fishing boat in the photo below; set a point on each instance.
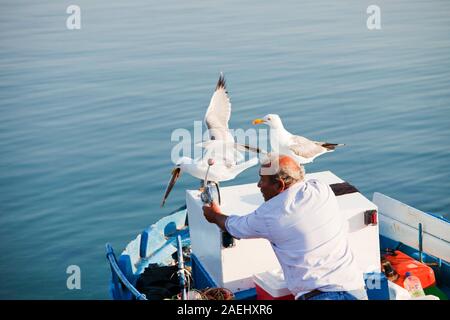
(182, 254)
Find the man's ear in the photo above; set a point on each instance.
(281, 185)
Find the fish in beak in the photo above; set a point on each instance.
(176, 172)
(258, 121)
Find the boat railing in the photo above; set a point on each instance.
(118, 272)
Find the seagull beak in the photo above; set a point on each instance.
(258, 121)
(176, 172)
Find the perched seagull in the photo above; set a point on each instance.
(220, 147)
(298, 147)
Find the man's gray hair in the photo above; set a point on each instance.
(287, 169)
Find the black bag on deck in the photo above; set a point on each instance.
(158, 283)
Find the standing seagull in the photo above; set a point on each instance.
(221, 147)
(298, 147)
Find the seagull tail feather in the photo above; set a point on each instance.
(246, 147)
(332, 146)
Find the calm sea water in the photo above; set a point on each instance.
(86, 116)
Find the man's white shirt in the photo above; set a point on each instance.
(309, 235)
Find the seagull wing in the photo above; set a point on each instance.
(221, 151)
(304, 147)
(218, 113)
(236, 170)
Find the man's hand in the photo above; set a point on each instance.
(213, 214)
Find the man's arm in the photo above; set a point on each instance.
(249, 226)
(214, 215)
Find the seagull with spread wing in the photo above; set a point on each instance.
(220, 147)
(221, 144)
(298, 147)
